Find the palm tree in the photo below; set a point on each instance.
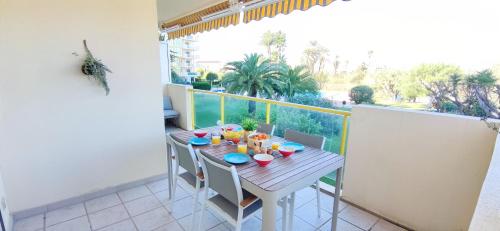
(297, 80)
(253, 76)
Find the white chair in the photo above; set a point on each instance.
(232, 202)
(185, 157)
(313, 141)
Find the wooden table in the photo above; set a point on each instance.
(280, 178)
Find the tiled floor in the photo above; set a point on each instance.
(146, 208)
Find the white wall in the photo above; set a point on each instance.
(60, 135)
(487, 213)
(420, 169)
(181, 102)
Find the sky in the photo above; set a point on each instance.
(401, 33)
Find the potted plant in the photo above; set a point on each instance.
(249, 126)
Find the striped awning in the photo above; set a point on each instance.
(281, 7)
(205, 26)
(194, 23)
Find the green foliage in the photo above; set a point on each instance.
(315, 57)
(449, 107)
(95, 68)
(202, 85)
(210, 77)
(275, 43)
(176, 78)
(361, 94)
(249, 124)
(388, 82)
(253, 76)
(297, 80)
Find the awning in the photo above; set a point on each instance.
(195, 22)
(281, 7)
(205, 26)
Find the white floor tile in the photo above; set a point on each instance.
(182, 207)
(142, 205)
(134, 193)
(383, 225)
(309, 213)
(358, 217)
(210, 221)
(298, 225)
(327, 203)
(341, 226)
(108, 216)
(78, 224)
(64, 214)
(126, 225)
(158, 186)
(172, 226)
(29, 224)
(101, 203)
(220, 227)
(152, 219)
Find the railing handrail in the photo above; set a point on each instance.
(275, 102)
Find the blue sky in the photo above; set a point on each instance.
(402, 33)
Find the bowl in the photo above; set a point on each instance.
(286, 151)
(200, 133)
(263, 159)
(235, 140)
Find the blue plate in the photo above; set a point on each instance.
(236, 158)
(298, 147)
(199, 141)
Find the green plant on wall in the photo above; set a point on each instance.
(95, 69)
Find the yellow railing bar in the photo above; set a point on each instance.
(344, 136)
(268, 113)
(274, 102)
(222, 109)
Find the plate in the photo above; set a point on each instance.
(236, 158)
(199, 141)
(298, 147)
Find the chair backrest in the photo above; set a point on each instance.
(185, 156)
(313, 141)
(221, 177)
(266, 128)
(167, 103)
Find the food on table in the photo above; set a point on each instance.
(286, 151)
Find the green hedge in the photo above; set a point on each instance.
(202, 85)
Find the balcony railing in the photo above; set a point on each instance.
(209, 107)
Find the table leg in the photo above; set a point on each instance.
(169, 170)
(336, 201)
(269, 214)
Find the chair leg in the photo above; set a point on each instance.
(203, 207)
(174, 189)
(284, 211)
(195, 204)
(292, 210)
(318, 196)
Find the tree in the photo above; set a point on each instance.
(321, 79)
(336, 65)
(297, 80)
(176, 78)
(389, 82)
(275, 44)
(361, 94)
(315, 57)
(253, 76)
(210, 77)
(430, 77)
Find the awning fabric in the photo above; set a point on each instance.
(193, 23)
(205, 26)
(281, 7)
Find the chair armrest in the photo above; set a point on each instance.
(248, 201)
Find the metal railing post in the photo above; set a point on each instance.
(268, 113)
(344, 136)
(222, 109)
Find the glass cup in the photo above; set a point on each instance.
(242, 148)
(216, 139)
(275, 146)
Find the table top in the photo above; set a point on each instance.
(281, 171)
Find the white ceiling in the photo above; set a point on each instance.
(172, 9)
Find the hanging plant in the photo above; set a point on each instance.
(95, 69)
